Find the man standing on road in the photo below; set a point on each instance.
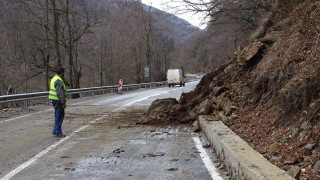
(58, 96)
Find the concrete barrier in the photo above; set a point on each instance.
(241, 160)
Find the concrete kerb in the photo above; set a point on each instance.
(241, 160)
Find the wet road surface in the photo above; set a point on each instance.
(105, 141)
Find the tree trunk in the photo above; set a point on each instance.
(46, 51)
(56, 33)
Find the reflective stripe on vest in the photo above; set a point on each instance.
(53, 92)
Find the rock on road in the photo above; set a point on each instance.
(104, 141)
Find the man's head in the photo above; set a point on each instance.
(60, 71)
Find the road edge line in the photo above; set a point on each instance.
(215, 175)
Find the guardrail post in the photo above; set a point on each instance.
(25, 105)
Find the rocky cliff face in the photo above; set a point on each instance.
(269, 94)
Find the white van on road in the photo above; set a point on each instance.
(175, 77)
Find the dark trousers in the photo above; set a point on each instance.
(58, 117)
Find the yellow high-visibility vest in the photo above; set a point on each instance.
(53, 92)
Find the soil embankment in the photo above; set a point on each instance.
(268, 93)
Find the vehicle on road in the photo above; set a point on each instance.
(175, 77)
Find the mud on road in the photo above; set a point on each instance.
(116, 146)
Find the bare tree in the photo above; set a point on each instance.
(45, 34)
(39, 9)
(76, 22)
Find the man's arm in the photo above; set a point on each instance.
(60, 91)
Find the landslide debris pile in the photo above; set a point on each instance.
(269, 94)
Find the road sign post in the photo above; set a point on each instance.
(146, 73)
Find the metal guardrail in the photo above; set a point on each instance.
(37, 95)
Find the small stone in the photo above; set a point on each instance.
(274, 159)
(176, 107)
(317, 165)
(294, 132)
(262, 150)
(196, 126)
(192, 114)
(306, 125)
(294, 172)
(310, 146)
(303, 134)
(286, 167)
(222, 116)
(205, 107)
(274, 148)
(206, 146)
(312, 105)
(172, 169)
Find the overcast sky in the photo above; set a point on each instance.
(166, 5)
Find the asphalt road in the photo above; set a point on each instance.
(105, 141)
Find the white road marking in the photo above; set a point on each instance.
(7, 120)
(206, 160)
(33, 159)
(45, 151)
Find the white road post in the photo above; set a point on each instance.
(120, 86)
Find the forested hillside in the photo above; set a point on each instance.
(97, 41)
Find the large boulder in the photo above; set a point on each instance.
(161, 110)
(161, 107)
(249, 53)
